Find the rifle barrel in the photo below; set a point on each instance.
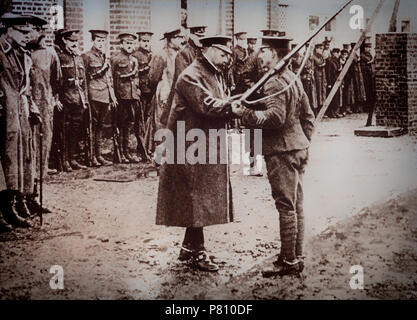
(288, 57)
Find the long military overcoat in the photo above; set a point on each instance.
(196, 195)
(17, 148)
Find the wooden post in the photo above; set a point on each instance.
(393, 21)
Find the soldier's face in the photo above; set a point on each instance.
(35, 34)
(177, 41)
(128, 46)
(145, 44)
(20, 36)
(267, 56)
(336, 55)
(219, 58)
(70, 44)
(100, 44)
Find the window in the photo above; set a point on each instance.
(313, 22)
(331, 26)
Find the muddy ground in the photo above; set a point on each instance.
(360, 205)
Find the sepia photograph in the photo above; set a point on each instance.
(223, 150)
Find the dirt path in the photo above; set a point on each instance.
(103, 233)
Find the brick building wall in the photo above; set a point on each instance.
(396, 80)
(276, 15)
(229, 16)
(73, 16)
(128, 16)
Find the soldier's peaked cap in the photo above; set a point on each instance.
(219, 42)
(14, 19)
(70, 34)
(171, 33)
(127, 36)
(346, 46)
(99, 33)
(37, 21)
(276, 42)
(144, 33)
(272, 33)
(239, 33)
(198, 29)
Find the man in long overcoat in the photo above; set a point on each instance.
(20, 114)
(196, 195)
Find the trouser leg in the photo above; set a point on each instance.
(284, 171)
(194, 239)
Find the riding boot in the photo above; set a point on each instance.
(72, 152)
(8, 202)
(98, 149)
(4, 226)
(21, 207)
(128, 156)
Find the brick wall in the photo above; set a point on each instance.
(396, 80)
(128, 16)
(73, 16)
(41, 8)
(229, 16)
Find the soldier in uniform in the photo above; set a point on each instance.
(19, 115)
(251, 43)
(100, 90)
(366, 63)
(348, 98)
(309, 83)
(161, 76)
(125, 68)
(287, 124)
(144, 56)
(45, 77)
(333, 68)
(320, 75)
(198, 195)
(73, 96)
(183, 59)
(358, 85)
(240, 55)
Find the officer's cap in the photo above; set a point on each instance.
(272, 33)
(127, 36)
(99, 33)
(318, 45)
(276, 42)
(219, 42)
(343, 51)
(19, 22)
(335, 50)
(70, 34)
(146, 35)
(240, 33)
(172, 33)
(198, 30)
(346, 46)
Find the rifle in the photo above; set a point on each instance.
(116, 136)
(284, 61)
(41, 171)
(89, 145)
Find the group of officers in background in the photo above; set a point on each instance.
(72, 100)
